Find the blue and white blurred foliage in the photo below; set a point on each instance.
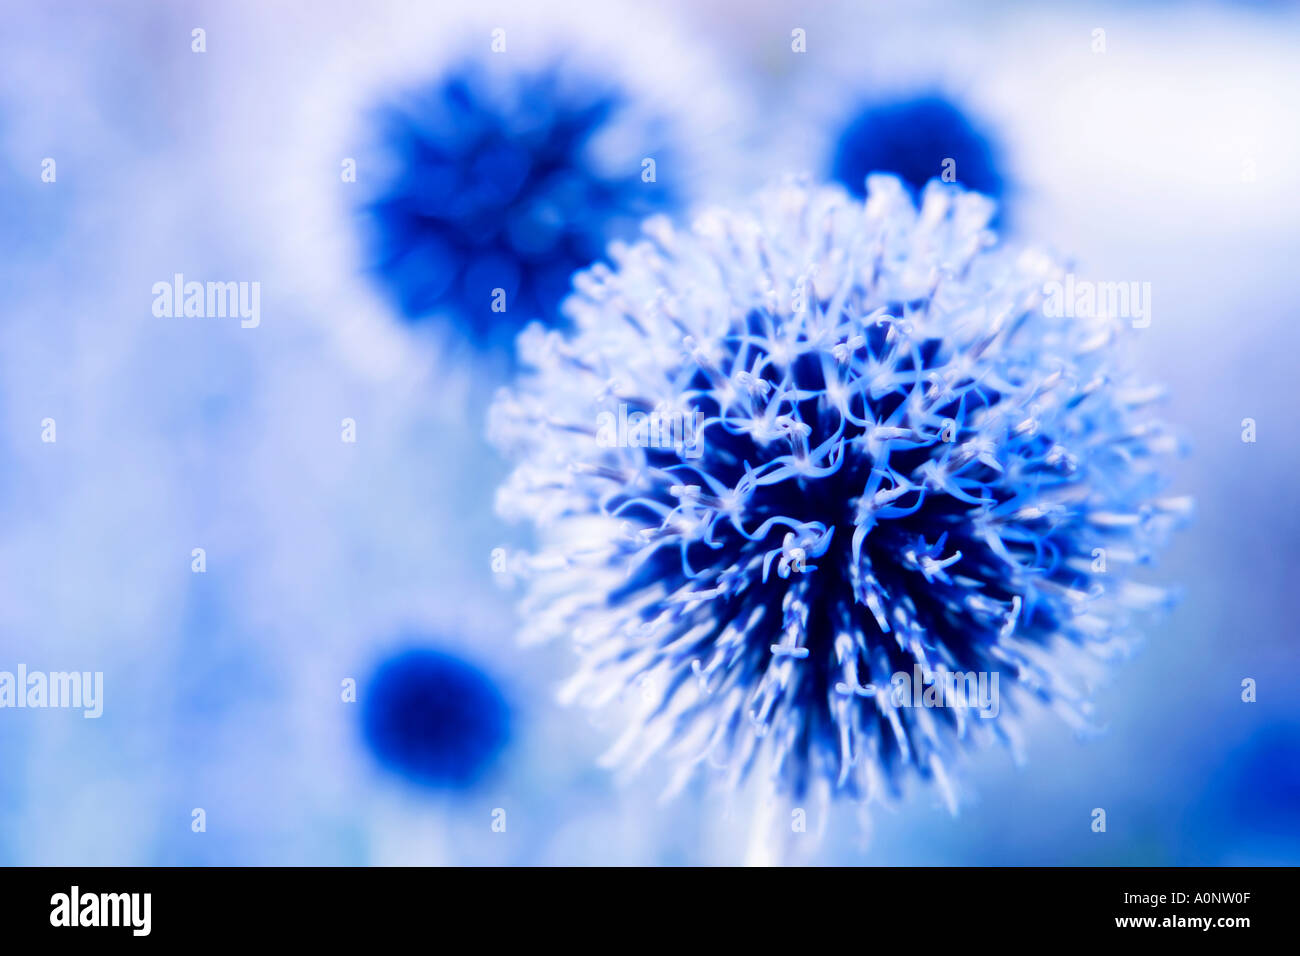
(1164, 157)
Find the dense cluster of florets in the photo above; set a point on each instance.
(801, 449)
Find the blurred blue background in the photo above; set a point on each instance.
(1165, 157)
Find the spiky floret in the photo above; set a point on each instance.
(507, 180)
(903, 461)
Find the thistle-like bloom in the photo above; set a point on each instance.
(510, 181)
(803, 449)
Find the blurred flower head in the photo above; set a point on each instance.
(918, 139)
(499, 184)
(434, 718)
(808, 450)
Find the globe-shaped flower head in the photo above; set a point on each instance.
(802, 452)
(496, 179)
